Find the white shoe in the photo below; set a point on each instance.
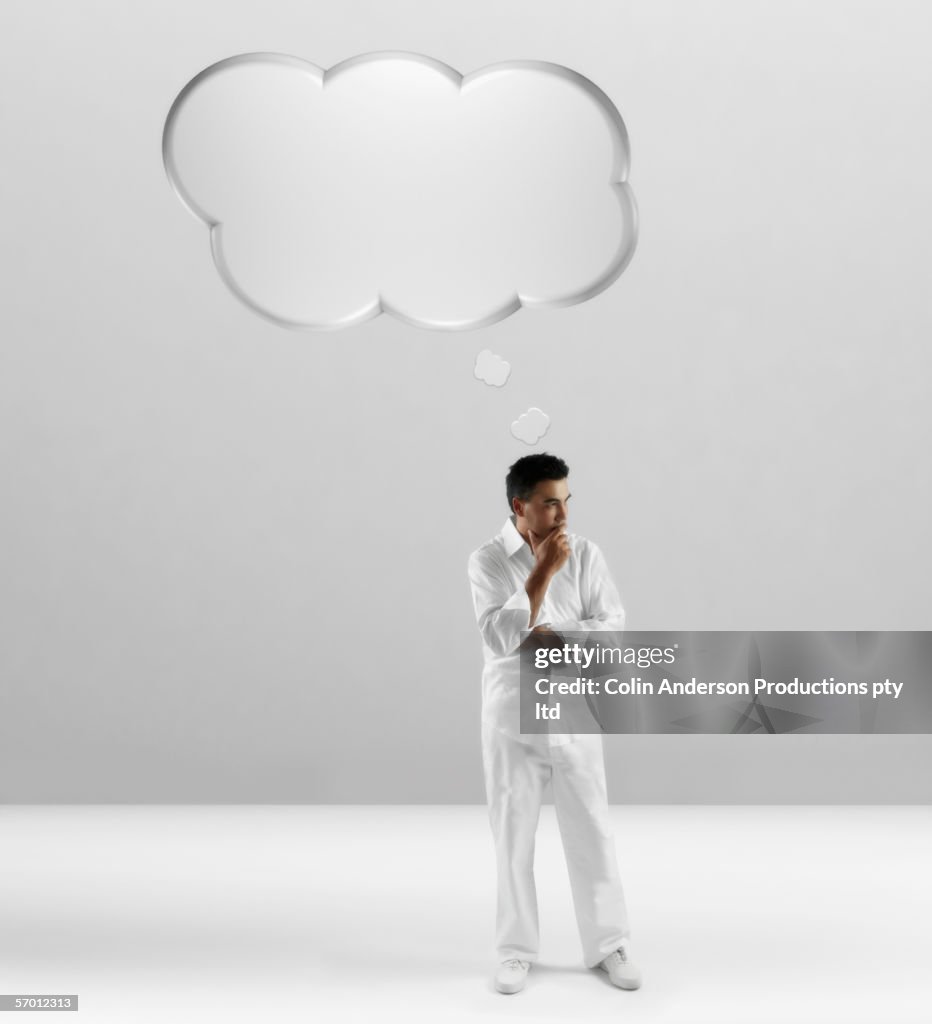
(511, 975)
(621, 970)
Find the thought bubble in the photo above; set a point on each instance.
(392, 183)
(531, 426)
(492, 369)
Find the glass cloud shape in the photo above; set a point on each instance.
(531, 426)
(491, 368)
(392, 183)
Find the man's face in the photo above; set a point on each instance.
(547, 507)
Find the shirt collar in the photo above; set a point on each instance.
(512, 540)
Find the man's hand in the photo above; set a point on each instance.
(541, 638)
(551, 552)
(545, 637)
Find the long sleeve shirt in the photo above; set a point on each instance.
(580, 598)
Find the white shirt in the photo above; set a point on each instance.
(581, 597)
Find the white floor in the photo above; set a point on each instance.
(280, 913)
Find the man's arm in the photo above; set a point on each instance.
(601, 601)
(536, 587)
(501, 612)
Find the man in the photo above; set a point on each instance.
(535, 576)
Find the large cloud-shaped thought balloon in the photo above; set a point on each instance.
(391, 183)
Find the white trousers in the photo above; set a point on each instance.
(516, 774)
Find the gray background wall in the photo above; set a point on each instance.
(234, 555)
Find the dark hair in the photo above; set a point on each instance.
(528, 472)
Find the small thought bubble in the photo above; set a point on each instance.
(531, 426)
(491, 369)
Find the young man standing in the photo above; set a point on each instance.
(535, 576)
